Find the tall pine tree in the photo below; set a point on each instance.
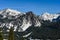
(11, 34)
(1, 34)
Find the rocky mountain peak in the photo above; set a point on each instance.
(10, 12)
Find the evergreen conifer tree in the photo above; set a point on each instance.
(11, 34)
(1, 34)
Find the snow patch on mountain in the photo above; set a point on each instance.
(24, 25)
(27, 34)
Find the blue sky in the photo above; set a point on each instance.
(37, 6)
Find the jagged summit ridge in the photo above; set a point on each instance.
(48, 16)
(10, 12)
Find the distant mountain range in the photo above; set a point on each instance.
(29, 24)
